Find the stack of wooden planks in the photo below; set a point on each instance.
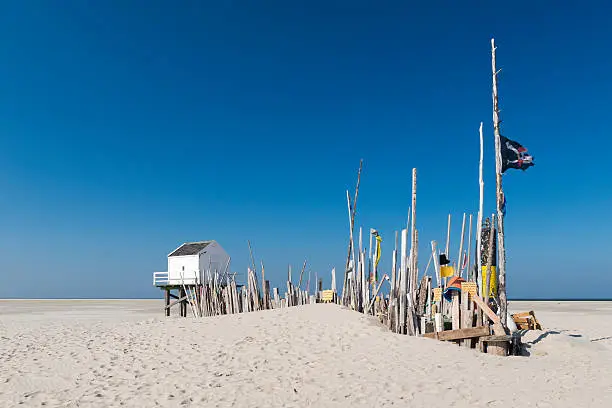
(526, 321)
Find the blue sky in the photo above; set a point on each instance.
(129, 127)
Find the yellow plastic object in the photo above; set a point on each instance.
(470, 287)
(327, 296)
(492, 282)
(437, 294)
(378, 241)
(447, 271)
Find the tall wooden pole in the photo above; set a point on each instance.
(251, 254)
(263, 285)
(434, 254)
(352, 224)
(414, 246)
(448, 237)
(501, 248)
(459, 272)
(479, 218)
(370, 268)
(403, 282)
(469, 254)
(301, 274)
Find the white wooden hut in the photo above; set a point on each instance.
(192, 263)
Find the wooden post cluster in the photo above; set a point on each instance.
(218, 297)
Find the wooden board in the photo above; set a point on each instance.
(460, 334)
(498, 329)
(526, 321)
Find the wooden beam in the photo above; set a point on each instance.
(460, 334)
(176, 301)
(498, 329)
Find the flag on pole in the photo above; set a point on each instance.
(374, 274)
(378, 241)
(514, 155)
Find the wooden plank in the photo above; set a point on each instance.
(176, 301)
(497, 326)
(496, 338)
(460, 334)
(522, 314)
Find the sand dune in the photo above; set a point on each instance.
(124, 353)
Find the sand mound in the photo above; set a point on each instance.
(304, 356)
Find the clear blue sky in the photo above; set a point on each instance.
(129, 127)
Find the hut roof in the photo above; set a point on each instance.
(190, 248)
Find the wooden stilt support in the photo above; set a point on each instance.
(167, 302)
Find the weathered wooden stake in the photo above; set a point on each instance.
(480, 214)
(448, 228)
(459, 271)
(469, 273)
(501, 247)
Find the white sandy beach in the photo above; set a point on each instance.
(125, 353)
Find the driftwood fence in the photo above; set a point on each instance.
(219, 298)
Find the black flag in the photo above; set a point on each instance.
(514, 155)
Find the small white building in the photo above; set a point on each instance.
(189, 263)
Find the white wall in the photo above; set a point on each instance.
(215, 257)
(188, 265)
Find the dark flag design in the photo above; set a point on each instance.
(514, 155)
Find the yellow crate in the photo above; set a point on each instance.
(437, 294)
(470, 287)
(327, 296)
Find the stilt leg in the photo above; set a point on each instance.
(167, 302)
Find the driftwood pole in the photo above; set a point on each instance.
(251, 254)
(459, 272)
(360, 268)
(403, 283)
(333, 280)
(501, 248)
(264, 290)
(301, 274)
(350, 248)
(479, 218)
(352, 224)
(370, 257)
(448, 237)
(487, 278)
(394, 268)
(414, 250)
(434, 255)
(469, 255)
